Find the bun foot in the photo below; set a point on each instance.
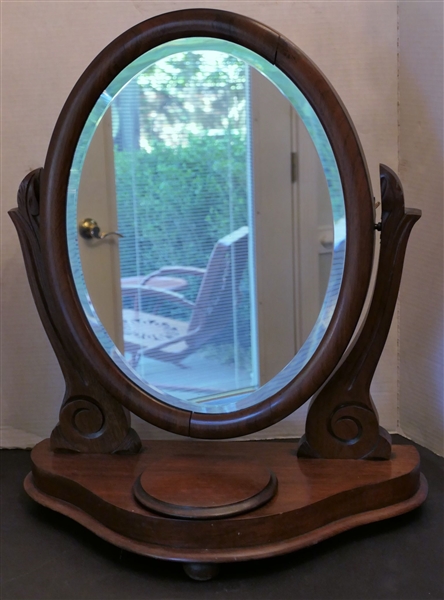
(201, 571)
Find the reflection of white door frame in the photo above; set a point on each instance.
(273, 216)
(313, 229)
(292, 209)
(100, 258)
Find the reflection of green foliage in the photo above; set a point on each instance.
(183, 201)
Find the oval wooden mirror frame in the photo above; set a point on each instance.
(79, 339)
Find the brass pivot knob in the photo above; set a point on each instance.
(89, 229)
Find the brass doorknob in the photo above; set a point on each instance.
(89, 229)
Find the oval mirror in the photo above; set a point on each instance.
(181, 159)
(231, 247)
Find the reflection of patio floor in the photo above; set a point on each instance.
(196, 378)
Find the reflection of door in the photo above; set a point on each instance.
(100, 258)
(292, 212)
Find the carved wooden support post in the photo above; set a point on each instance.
(342, 421)
(91, 420)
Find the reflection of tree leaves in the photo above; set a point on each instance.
(182, 200)
(190, 92)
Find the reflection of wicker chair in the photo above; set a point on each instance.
(168, 339)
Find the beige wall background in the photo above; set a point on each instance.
(421, 142)
(45, 48)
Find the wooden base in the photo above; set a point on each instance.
(315, 499)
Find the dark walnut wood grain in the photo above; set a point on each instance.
(315, 499)
(91, 420)
(342, 421)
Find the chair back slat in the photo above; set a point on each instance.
(219, 290)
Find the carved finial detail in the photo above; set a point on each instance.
(28, 200)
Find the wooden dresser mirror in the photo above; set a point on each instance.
(174, 272)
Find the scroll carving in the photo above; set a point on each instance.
(91, 420)
(342, 421)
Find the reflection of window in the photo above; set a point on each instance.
(181, 152)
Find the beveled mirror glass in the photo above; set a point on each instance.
(179, 147)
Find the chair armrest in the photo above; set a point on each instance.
(160, 294)
(174, 270)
